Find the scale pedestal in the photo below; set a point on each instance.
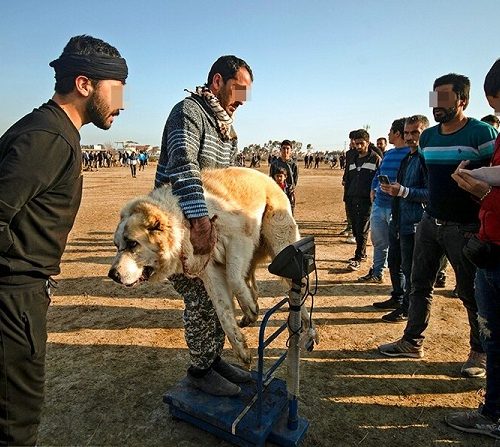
(266, 410)
(217, 415)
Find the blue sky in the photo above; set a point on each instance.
(321, 68)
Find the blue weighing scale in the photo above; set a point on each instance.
(266, 410)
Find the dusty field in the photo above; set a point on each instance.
(114, 351)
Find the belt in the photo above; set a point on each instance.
(441, 222)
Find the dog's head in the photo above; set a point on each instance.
(148, 242)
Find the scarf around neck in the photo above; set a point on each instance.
(224, 121)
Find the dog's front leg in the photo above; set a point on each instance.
(214, 279)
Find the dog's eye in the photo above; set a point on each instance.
(131, 244)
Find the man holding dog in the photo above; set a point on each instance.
(199, 135)
(40, 193)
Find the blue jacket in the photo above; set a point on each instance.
(407, 211)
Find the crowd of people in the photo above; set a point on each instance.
(425, 201)
(435, 195)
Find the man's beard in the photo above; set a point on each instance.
(223, 98)
(98, 112)
(447, 114)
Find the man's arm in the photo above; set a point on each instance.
(29, 166)
(179, 165)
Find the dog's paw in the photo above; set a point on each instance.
(244, 322)
(308, 339)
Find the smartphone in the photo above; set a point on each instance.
(384, 180)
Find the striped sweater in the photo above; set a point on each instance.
(189, 144)
(443, 152)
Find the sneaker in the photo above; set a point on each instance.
(474, 422)
(475, 366)
(396, 316)
(370, 277)
(213, 383)
(391, 303)
(230, 372)
(346, 231)
(350, 240)
(354, 265)
(401, 348)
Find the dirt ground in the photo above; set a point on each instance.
(113, 351)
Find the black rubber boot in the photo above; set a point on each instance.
(230, 372)
(213, 383)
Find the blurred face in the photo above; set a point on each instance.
(234, 92)
(361, 146)
(280, 178)
(286, 152)
(104, 103)
(445, 103)
(412, 134)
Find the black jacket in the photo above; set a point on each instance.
(40, 193)
(359, 174)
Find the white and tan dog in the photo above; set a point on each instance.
(254, 221)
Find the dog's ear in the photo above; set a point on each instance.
(157, 224)
(153, 217)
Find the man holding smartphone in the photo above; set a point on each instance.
(409, 193)
(381, 208)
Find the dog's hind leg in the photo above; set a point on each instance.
(238, 270)
(214, 279)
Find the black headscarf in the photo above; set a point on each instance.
(95, 66)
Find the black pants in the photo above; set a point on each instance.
(359, 212)
(432, 241)
(23, 339)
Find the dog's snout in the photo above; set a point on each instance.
(114, 275)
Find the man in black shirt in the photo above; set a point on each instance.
(357, 180)
(40, 193)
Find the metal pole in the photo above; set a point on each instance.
(294, 324)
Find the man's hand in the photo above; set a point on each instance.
(466, 181)
(372, 195)
(391, 189)
(203, 235)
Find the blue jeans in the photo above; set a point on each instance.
(488, 305)
(431, 242)
(379, 230)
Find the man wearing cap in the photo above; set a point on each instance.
(199, 135)
(40, 193)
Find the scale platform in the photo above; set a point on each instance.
(226, 418)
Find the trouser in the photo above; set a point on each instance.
(432, 240)
(348, 218)
(400, 263)
(379, 231)
(359, 212)
(202, 330)
(23, 339)
(395, 261)
(488, 304)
